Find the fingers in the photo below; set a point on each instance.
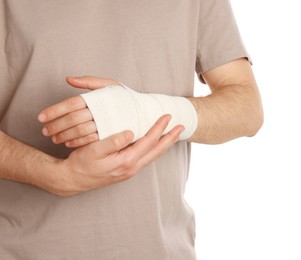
(60, 109)
(163, 145)
(129, 158)
(112, 144)
(88, 82)
(74, 103)
(76, 132)
(82, 141)
(146, 143)
(68, 121)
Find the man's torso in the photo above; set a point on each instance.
(149, 46)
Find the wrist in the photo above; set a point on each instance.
(58, 178)
(51, 179)
(25, 164)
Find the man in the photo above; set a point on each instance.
(111, 198)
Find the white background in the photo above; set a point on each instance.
(246, 193)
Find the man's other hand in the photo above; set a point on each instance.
(71, 121)
(113, 159)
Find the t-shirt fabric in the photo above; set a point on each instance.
(150, 46)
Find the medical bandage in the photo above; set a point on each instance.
(116, 108)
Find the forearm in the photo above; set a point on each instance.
(22, 163)
(230, 112)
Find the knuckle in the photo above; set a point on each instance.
(127, 175)
(81, 129)
(159, 154)
(73, 117)
(91, 126)
(147, 163)
(72, 102)
(115, 142)
(88, 113)
(62, 136)
(129, 163)
(130, 174)
(153, 141)
(123, 177)
(91, 138)
(88, 80)
(52, 128)
(51, 112)
(74, 143)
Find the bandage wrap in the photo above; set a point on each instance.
(116, 108)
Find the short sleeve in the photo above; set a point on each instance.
(218, 40)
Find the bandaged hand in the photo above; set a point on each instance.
(111, 109)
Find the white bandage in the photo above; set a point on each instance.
(116, 108)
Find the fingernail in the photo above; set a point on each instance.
(129, 135)
(54, 139)
(78, 80)
(68, 144)
(42, 118)
(181, 130)
(45, 131)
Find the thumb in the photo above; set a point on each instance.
(112, 144)
(91, 83)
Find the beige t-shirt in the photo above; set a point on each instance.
(151, 46)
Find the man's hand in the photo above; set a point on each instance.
(70, 121)
(93, 166)
(112, 160)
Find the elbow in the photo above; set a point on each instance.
(256, 123)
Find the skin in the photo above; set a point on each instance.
(71, 122)
(89, 167)
(232, 110)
